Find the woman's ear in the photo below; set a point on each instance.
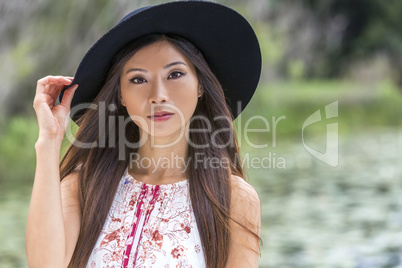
(200, 91)
(120, 97)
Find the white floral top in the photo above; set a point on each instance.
(149, 226)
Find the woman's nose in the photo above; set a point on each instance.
(158, 93)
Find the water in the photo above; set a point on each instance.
(315, 215)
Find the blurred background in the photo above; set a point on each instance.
(330, 188)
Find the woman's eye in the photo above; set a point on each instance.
(137, 80)
(175, 75)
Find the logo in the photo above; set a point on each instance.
(331, 154)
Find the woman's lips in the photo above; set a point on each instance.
(160, 116)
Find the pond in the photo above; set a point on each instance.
(315, 215)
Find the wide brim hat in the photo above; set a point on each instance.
(224, 37)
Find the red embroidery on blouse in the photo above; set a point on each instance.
(149, 226)
(155, 194)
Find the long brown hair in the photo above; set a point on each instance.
(100, 168)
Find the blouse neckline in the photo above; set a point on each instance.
(130, 178)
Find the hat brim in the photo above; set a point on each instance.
(225, 38)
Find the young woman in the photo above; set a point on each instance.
(153, 177)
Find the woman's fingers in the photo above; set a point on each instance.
(68, 96)
(52, 118)
(49, 87)
(52, 86)
(55, 93)
(56, 85)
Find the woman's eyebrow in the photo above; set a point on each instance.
(173, 63)
(164, 67)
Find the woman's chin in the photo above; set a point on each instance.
(166, 133)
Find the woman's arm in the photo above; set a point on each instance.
(53, 220)
(53, 217)
(246, 209)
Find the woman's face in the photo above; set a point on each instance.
(159, 78)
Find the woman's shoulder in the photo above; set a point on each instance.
(244, 198)
(241, 187)
(245, 209)
(70, 182)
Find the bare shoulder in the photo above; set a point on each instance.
(71, 212)
(245, 203)
(245, 209)
(71, 178)
(69, 187)
(242, 190)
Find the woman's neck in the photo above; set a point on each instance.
(160, 160)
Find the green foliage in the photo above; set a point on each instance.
(14, 203)
(361, 107)
(296, 69)
(17, 170)
(17, 151)
(330, 37)
(271, 43)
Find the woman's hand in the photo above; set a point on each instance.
(53, 120)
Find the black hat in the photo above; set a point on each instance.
(224, 37)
